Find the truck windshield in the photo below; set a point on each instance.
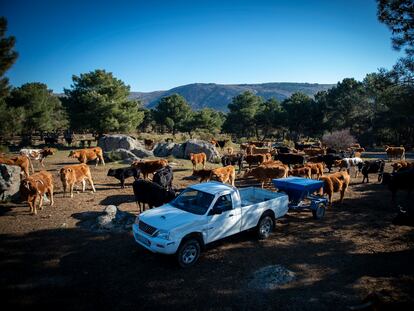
(193, 201)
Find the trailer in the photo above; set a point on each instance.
(301, 194)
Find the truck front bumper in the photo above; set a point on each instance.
(154, 244)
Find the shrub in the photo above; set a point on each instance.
(339, 139)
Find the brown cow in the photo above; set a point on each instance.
(224, 174)
(37, 154)
(401, 165)
(335, 182)
(271, 163)
(316, 168)
(202, 175)
(255, 159)
(266, 173)
(36, 186)
(302, 172)
(89, 154)
(72, 174)
(149, 166)
(314, 151)
(255, 150)
(197, 158)
(20, 160)
(395, 152)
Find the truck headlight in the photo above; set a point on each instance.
(163, 234)
(137, 220)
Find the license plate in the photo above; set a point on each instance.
(143, 240)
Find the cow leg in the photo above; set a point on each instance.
(83, 185)
(103, 161)
(32, 211)
(40, 201)
(51, 196)
(71, 190)
(91, 183)
(31, 165)
(64, 189)
(342, 194)
(122, 182)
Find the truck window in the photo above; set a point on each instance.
(193, 201)
(224, 203)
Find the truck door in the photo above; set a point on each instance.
(224, 224)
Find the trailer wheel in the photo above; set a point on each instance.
(319, 212)
(265, 227)
(188, 253)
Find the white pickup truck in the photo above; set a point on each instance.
(204, 213)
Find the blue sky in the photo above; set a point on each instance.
(157, 45)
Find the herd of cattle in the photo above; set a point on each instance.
(263, 161)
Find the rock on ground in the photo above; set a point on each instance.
(9, 182)
(112, 142)
(120, 154)
(113, 219)
(197, 146)
(271, 277)
(182, 151)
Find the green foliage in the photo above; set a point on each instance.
(398, 16)
(241, 119)
(30, 108)
(7, 57)
(173, 112)
(97, 101)
(36, 109)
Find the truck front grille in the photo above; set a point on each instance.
(146, 228)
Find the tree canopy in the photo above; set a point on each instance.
(97, 101)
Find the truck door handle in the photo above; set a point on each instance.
(231, 215)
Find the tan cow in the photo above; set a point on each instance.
(88, 154)
(72, 174)
(301, 172)
(401, 165)
(37, 154)
(316, 169)
(224, 174)
(395, 152)
(35, 187)
(22, 161)
(335, 182)
(149, 166)
(202, 175)
(314, 151)
(198, 158)
(266, 173)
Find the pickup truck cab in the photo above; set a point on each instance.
(204, 213)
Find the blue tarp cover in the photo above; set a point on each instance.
(298, 184)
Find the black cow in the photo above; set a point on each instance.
(148, 192)
(123, 173)
(164, 177)
(290, 158)
(331, 150)
(328, 159)
(371, 167)
(233, 159)
(403, 180)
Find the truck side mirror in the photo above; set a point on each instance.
(215, 211)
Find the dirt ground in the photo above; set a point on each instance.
(54, 262)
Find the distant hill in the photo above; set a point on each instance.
(218, 96)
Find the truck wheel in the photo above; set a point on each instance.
(319, 212)
(265, 227)
(188, 253)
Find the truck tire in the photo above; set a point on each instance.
(188, 253)
(265, 226)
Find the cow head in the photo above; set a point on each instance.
(111, 172)
(74, 154)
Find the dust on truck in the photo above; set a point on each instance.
(204, 213)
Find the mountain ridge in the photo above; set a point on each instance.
(218, 96)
